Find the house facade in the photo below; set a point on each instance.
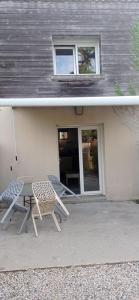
(68, 49)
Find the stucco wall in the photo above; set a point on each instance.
(37, 146)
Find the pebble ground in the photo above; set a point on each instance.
(100, 282)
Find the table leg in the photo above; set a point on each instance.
(24, 200)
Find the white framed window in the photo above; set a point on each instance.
(76, 59)
(64, 58)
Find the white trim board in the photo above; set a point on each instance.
(70, 101)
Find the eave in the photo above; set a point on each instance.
(70, 101)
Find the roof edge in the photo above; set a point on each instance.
(70, 101)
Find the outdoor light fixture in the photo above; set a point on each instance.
(78, 110)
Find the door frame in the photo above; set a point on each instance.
(99, 128)
(100, 159)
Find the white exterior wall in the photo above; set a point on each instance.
(35, 143)
(7, 146)
(37, 146)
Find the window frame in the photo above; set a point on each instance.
(74, 63)
(75, 46)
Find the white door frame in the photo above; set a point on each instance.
(100, 160)
(99, 129)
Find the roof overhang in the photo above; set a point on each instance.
(70, 101)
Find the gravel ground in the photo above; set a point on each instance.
(101, 282)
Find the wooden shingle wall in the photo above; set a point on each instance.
(26, 32)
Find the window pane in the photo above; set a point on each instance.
(86, 60)
(64, 61)
(90, 160)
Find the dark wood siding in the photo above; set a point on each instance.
(26, 31)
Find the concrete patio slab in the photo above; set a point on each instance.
(95, 233)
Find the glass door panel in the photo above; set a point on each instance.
(89, 149)
(69, 158)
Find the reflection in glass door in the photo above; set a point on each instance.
(89, 153)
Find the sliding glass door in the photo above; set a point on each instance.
(90, 160)
(80, 159)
